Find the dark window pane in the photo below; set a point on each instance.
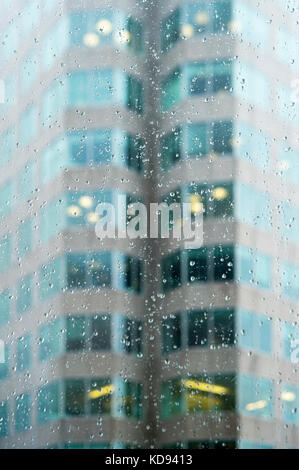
(197, 328)
(198, 85)
(137, 348)
(222, 137)
(76, 271)
(197, 265)
(100, 270)
(223, 263)
(171, 271)
(101, 333)
(224, 331)
(76, 333)
(170, 30)
(222, 82)
(74, 397)
(222, 15)
(135, 153)
(132, 400)
(135, 92)
(133, 274)
(171, 334)
(196, 140)
(171, 149)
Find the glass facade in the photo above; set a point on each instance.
(88, 397)
(97, 332)
(198, 394)
(211, 329)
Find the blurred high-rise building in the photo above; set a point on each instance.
(121, 343)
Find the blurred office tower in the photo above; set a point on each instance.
(127, 344)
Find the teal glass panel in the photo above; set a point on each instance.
(5, 306)
(290, 222)
(56, 43)
(251, 144)
(52, 340)
(54, 159)
(252, 207)
(53, 219)
(52, 278)
(289, 333)
(27, 180)
(6, 198)
(4, 419)
(25, 295)
(49, 403)
(255, 396)
(245, 15)
(253, 268)
(23, 412)
(4, 366)
(7, 146)
(170, 30)
(54, 101)
(29, 71)
(5, 253)
(195, 140)
(24, 352)
(254, 331)
(25, 241)
(290, 280)
(28, 125)
(171, 90)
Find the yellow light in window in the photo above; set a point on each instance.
(283, 165)
(91, 40)
(235, 142)
(187, 30)
(206, 387)
(93, 218)
(104, 27)
(202, 18)
(288, 396)
(122, 36)
(98, 393)
(196, 401)
(235, 27)
(196, 203)
(257, 405)
(220, 193)
(74, 211)
(86, 202)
